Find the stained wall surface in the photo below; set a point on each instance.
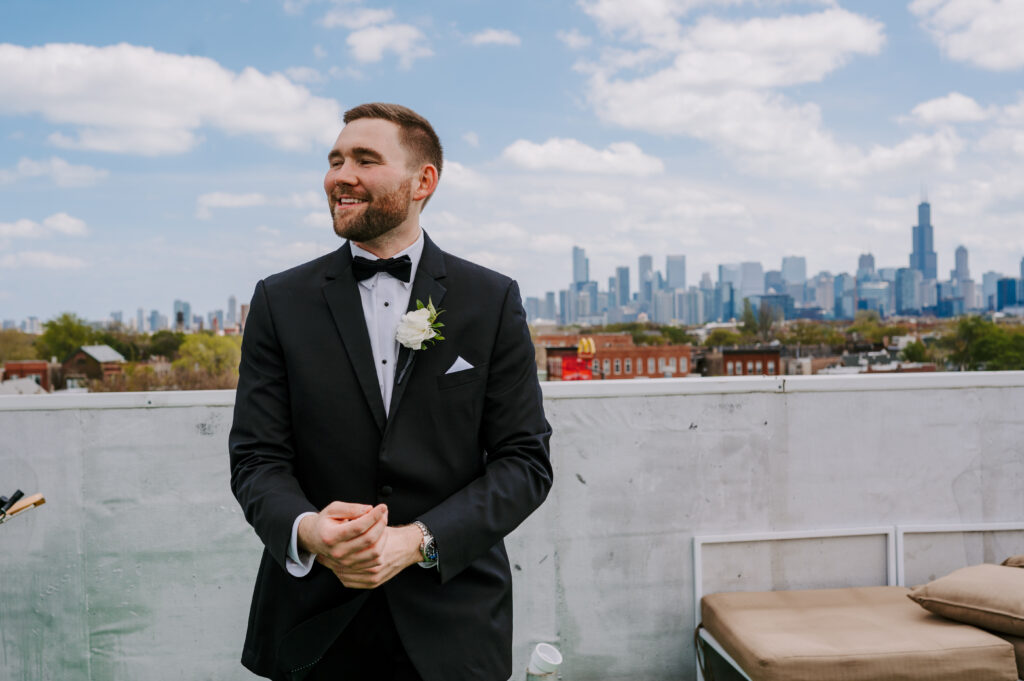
(140, 565)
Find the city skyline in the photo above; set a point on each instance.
(153, 153)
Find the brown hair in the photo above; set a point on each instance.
(417, 135)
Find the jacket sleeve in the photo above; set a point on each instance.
(514, 433)
(260, 442)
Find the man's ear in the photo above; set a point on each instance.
(426, 182)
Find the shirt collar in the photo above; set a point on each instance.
(414, 251)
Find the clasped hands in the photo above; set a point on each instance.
(356, 543)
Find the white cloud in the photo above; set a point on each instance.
(304, 74)
(573, 39)
(953, 108)
(319, 52)
(719, 81)
(318, 219)
(58, 223)
(205, 202)
(495, 36)
(62, 223)
(226, 200)
(130, 99)
(407, 42)
(622, 158)
(985, 33)
(62, 173)
(355, 18)
(20, 229)
(460, 178)
(41, 260)
(471, 138)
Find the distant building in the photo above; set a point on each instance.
(645, 280)
(622, 285)
(580, 265)
(751, 280)
(752, 361)
(92, 362)
(37, 370)
(1006, 293)
(232, 318)
(675, 272)
(865, 267)
(615, 356)
(923, 258)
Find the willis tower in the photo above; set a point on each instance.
(922, 258)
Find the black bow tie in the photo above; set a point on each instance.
(399, 268)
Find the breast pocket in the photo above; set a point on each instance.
(462, 378)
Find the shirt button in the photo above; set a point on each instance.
(386, 303)
(383, 361)
(385, 490)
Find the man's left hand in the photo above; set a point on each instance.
(397, 549)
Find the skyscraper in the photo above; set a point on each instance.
(865, 267)
(751, 280)
(961, 273)
(675, 272)
(1022, 268)
(232, 310)
(645, 279)
(580, 266)
(923, 258)
(794, 269)
(622, 285)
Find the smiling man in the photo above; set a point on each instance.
(382, 476)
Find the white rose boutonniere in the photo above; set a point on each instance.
(419, 328)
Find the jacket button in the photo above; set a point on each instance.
(385, 490)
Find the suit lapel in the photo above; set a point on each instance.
(426, 287)
(342, 294)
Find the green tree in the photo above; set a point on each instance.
(166, 343)
(767, 315)
(62, 336)
(916, 351)
(749, 326)
(212, 354)
(16, 345)
(678, 336)
(720, 337)
(977, 344)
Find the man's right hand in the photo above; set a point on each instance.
(344, 535)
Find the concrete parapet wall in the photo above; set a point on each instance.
(140, 565)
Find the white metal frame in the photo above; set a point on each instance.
(903, 530)
(895, 558)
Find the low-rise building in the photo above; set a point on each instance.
(613, 356)
(36, 369)
(97, 362)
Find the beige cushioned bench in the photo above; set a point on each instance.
(852, 634)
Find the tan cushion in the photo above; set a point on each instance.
(987, 596)
(1014, 561)
(1018, 650)
(858, 634)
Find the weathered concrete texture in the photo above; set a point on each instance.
(140, 565)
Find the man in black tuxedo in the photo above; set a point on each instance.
(354, 456)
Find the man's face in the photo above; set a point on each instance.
(369, 183)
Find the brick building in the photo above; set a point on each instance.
(752, 361)
(615, 356)
(92, 362)
(36, 369)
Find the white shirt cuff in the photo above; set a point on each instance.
(299, 563)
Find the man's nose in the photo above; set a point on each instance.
(343, 174)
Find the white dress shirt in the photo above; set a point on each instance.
(385, 299)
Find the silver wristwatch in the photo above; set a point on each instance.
(428, 548)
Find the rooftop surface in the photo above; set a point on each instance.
(141, 552)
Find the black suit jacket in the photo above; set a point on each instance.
(466, 453)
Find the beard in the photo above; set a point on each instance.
(382, 214)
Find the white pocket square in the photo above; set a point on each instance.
(460, 365)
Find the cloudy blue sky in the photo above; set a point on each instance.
(153, 151)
